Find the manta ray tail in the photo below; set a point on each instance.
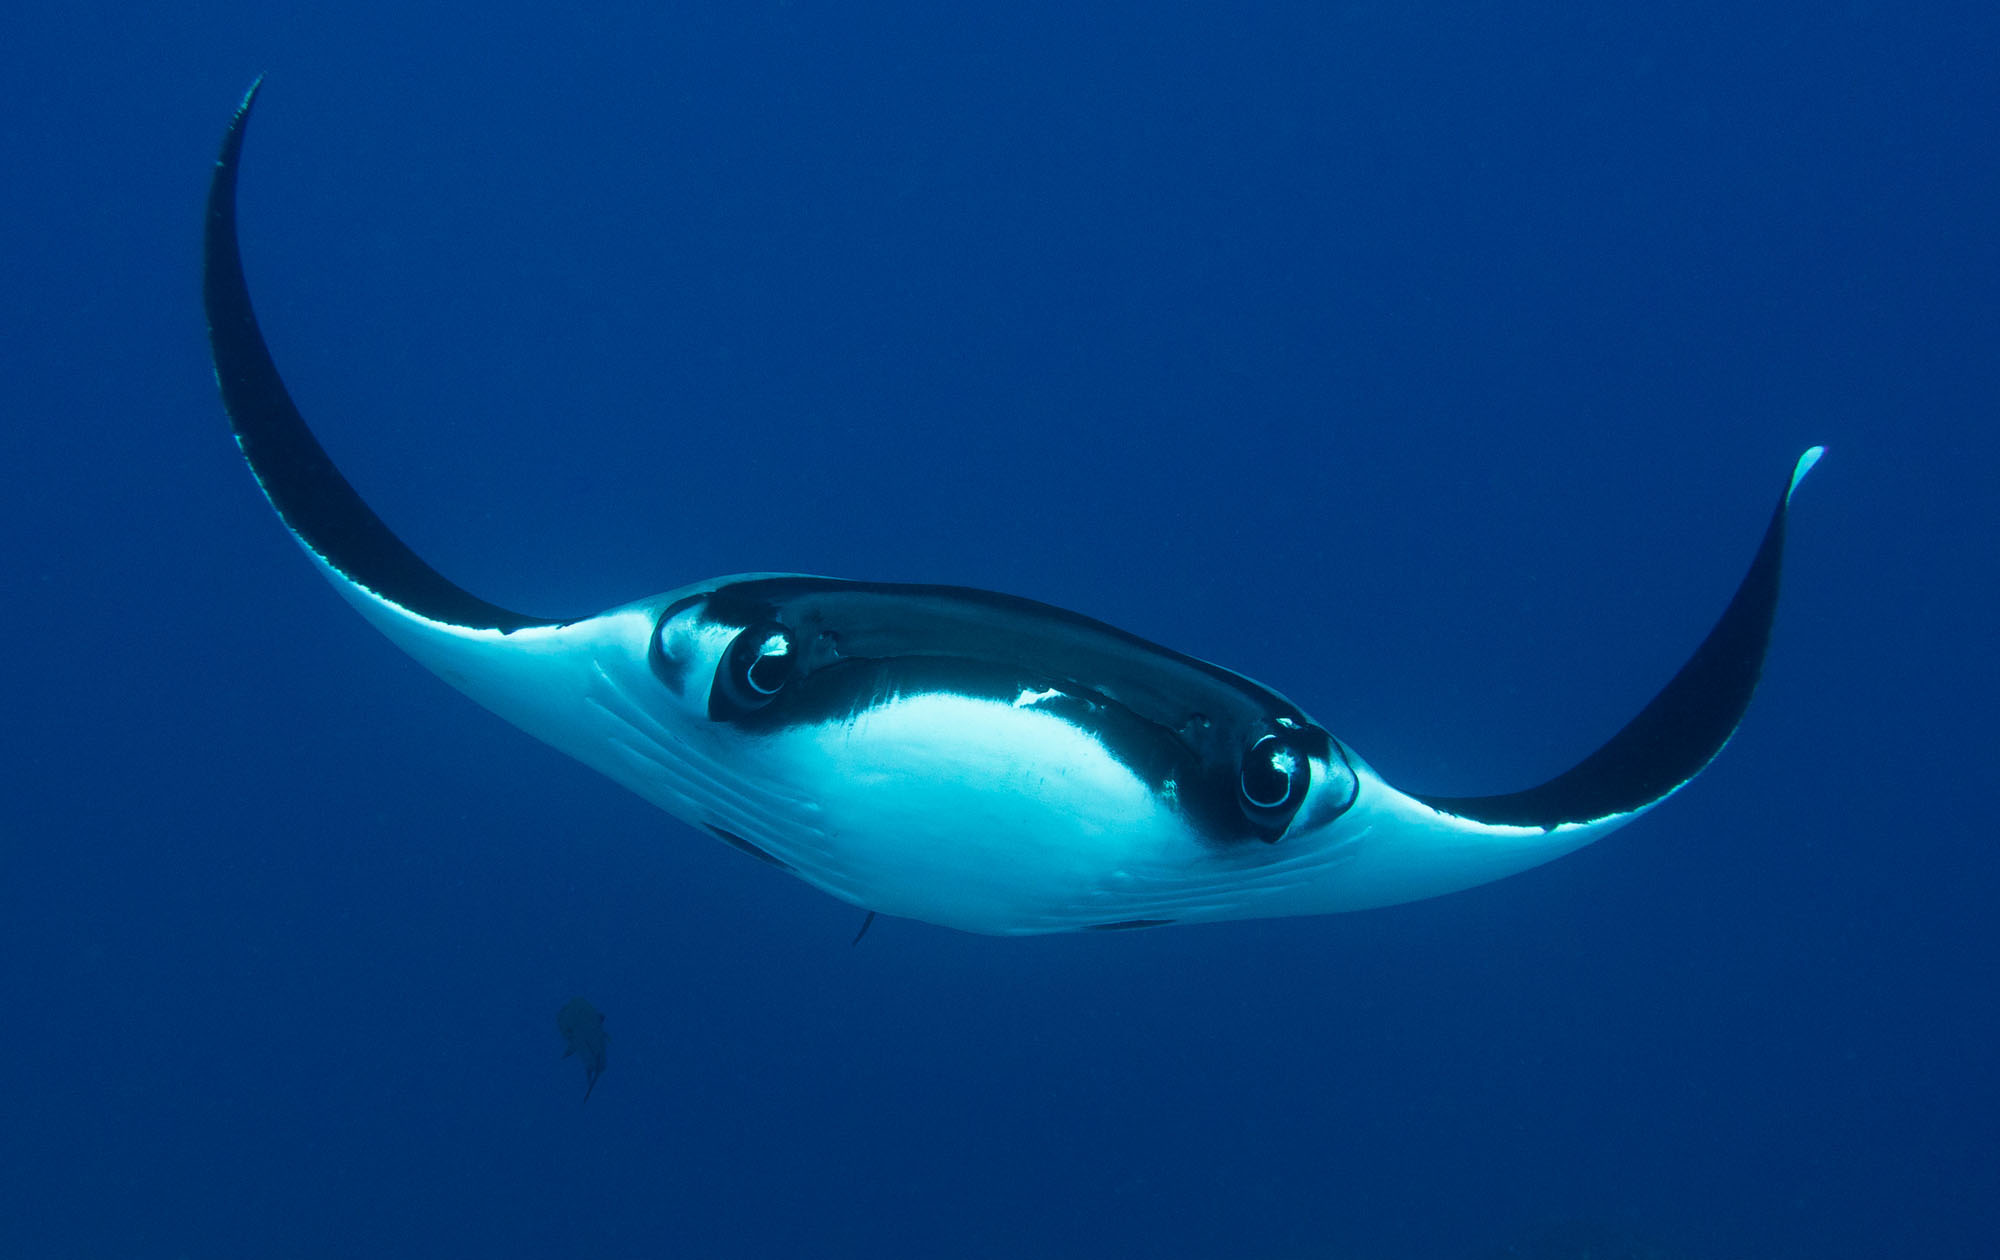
(1684, 726)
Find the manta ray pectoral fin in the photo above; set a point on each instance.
(1395, 846)
(314, 500)
(530, 670)
(1680, 731)
(515, 664)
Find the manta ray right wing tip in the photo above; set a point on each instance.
(1800, 469)
(1685, 725)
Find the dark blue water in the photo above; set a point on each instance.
(1435, 363)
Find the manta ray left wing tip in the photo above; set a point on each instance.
(250, 95)
(311, 496)
(232, 152)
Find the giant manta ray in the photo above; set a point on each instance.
(967, 758)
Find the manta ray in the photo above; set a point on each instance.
(963, 757)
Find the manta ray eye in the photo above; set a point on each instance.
(1276, 773)
(758, 664)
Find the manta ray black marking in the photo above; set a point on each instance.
(967, 758)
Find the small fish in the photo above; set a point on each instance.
(582, 1026)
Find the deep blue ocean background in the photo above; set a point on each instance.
(1436, 363)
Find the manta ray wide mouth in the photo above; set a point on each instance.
(1231, 755)
(973, 759)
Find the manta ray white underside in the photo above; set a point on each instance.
(963, 757)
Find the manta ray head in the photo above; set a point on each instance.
(943, 752)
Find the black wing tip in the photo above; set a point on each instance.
(232, 139)
(249, 99)
(308, 492)
(1683, 728)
